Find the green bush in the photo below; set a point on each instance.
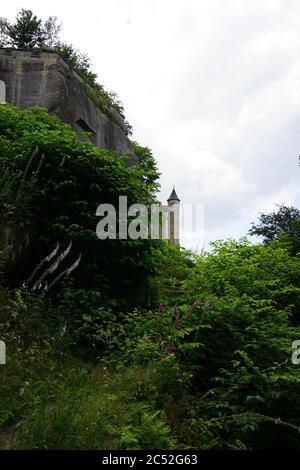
(232, 330)
(99, 411)
(145, 345)
(71, 178)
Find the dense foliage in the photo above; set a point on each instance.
(282, 224)
(28, 31)
(132, 344)
(212, 372)
(65, 180)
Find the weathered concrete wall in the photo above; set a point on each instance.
(34, 78)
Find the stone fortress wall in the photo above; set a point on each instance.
(35, 78)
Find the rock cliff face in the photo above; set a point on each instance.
(34, 78)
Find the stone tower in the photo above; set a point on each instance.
(174, 217)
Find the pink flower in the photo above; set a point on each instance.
(161, 308)
(53, 267)
(53, 254)
(66, 252)
(169, 349)
(74, 266)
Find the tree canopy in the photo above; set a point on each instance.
(28, 31)
(282, 224)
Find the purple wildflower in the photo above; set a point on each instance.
(53, 254)
(160, 340)
(74, 265)
(207, 304)
(161, 308)
(66, 252)
(53, 267)
(169, 349)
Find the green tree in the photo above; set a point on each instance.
(283, 224)
(149, 165)
(26, 32)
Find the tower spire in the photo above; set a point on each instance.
(173, 196)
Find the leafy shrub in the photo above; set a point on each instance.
(232, 330)
(74, 178)
(101, 411)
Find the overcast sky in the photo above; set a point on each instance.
(211, 86)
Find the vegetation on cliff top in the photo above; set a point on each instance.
(30, 32)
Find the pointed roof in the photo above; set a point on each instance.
(173, 196)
